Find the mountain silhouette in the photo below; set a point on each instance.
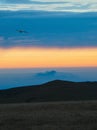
(56, 90)
(47, 76)
(30, 78)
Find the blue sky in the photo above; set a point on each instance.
(50, 24)
(46, 29)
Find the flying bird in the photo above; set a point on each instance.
(21, 31)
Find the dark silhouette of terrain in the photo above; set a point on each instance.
(56, 90)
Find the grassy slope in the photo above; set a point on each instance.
(49, 116)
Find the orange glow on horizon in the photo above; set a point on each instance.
(47, 57)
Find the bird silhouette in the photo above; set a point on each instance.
(21, 31)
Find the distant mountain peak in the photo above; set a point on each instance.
(57, 82)
(47, 73)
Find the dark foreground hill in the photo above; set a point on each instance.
(56, 90)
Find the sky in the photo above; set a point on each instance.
(60, 34)
(50, 5)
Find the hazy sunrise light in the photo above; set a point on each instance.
(48, 57)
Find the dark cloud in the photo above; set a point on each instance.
(35, 14)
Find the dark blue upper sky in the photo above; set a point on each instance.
(50, 23)
(48, 29)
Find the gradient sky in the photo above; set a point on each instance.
(61, 33)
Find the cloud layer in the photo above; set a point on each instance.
(50, 5)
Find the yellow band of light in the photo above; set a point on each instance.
(47, 57)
